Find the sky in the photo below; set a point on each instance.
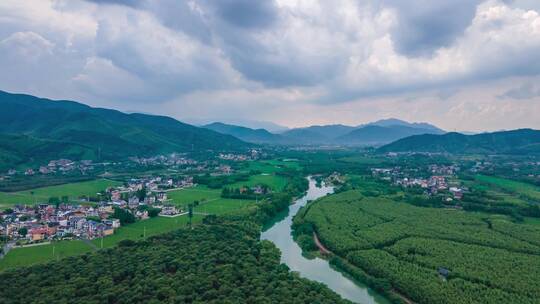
(463, 65)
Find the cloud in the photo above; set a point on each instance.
(425, 26)
(240, 58)
(525, 91)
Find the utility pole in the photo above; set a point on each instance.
(144, 232)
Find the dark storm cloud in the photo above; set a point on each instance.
(426, 25)
(245, 13)
(132, 3)
(525, 91)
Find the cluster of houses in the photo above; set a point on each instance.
(436, 183)
(46, 221)
(174, 159)
(61, 166)
(253, 154)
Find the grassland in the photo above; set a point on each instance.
(275, 182)
(72, 190)
(401, 247)
(273, 166)
(519, 188)
(210, 201)
(26, 256)
(150, 227)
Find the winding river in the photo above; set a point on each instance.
(280, 233)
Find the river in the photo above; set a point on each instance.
(279, 232)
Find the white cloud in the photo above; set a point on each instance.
(286, 61)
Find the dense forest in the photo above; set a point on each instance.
(213, 263)
(431, 255)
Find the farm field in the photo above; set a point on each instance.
(43, 253)
(152, 226)
(72, 190)
(519, 188)
(273, 166)
(210, 200)
(275, 182)
(489, 259)
(359, 159)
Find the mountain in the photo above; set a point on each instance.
(108, 133)
(246, 134)
(520, 141)
(397, 122)
(23, 149)
(316, 134)
(377, 135)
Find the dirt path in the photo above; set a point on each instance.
(322, 249)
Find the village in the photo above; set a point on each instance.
(58, 219)
(435, 179)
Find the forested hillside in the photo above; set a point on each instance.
(521, 141)
(69, 128)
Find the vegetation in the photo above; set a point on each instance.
(73, 190)
(400, 247)
(213, 263)
(523, 141)
(73, 130)
(522, 189)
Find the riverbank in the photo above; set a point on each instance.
(316, 269)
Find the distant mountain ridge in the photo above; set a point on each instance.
(398, 122)
(246, 134)
(91, 132)
(376, 133)
(522, 141)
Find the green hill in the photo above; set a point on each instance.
(377, 135)
(247, 134)
(522, 141)
(71, 129)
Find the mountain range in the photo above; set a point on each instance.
(376, 133)
(32, 128)
(522, 141)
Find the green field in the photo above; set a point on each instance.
(39, 254)
(401, 246)
(273, 166)
(210, 200)
(189, 195)
(150, 227)
(72, 190)
(364, 160)
(520, 188)
(275, 182)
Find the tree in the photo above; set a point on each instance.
(123, 215)
(141, 194)
(23, 231)
(153, 212)
(54, 201)
(190, 214)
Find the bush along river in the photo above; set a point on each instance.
(279, 232)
